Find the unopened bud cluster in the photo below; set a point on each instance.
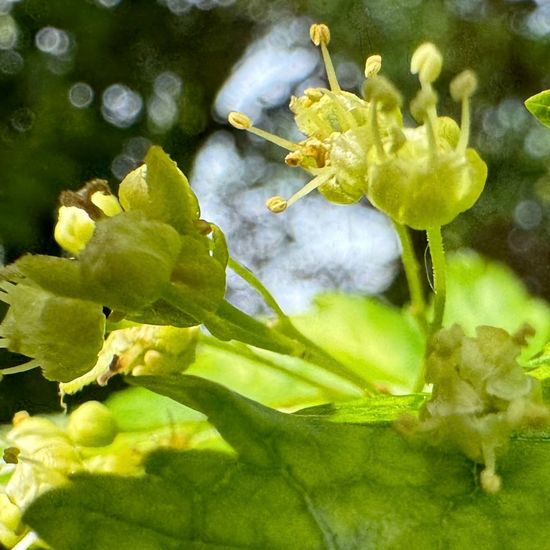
(480, 395)
(128, 253)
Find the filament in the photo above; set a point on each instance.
(464, 126)
(29, 365)
(277, 140)
(311, 186)
(376, 131)
(329, 67)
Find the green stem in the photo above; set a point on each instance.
(237, 348)
(247, 275)
(313, 353)
(437, 252)
(412, 273)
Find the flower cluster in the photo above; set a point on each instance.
(422, 177)
(135, 255)
(480, 394)
(42, 454)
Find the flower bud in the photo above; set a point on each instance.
(427, 61)
(129, 260)
(463, 85)
(92, 425)
(426, 192)
(74, 228)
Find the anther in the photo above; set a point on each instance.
(426, 61)
(11, 455)
(313, 93)
(319, 34)
(276, 204)
(294, 158)
(373, 66)
(243, 122)
(463, 85)
(18, 417)
(382, 90)
(239, 120)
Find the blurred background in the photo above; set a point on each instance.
(86, 87)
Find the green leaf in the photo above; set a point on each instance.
(539, 106)
(161, 191)
(370, 410)
(299, 482)
(482, 292)
(379, 342)
(138, 409)
(279, 381)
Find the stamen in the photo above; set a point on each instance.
(243, 122)
(4, 297)
(29, 365)
(463, 87)
(4, 344)
(423, 109)
(376, 130)
(320, 36)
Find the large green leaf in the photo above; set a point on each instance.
(375, 340)
(539, 106)
(481, 292)
(281, 382)
(299, 482)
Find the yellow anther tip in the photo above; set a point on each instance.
(463, 85)
(427, 61)
(313, 93)
(319, 34)
(276, 204)
(239, 120)
(294, 158)
(20, 416)
(373, 65)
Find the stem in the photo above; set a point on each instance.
(412, 273)
(247, 275)
(314, 353)
(437, 252)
